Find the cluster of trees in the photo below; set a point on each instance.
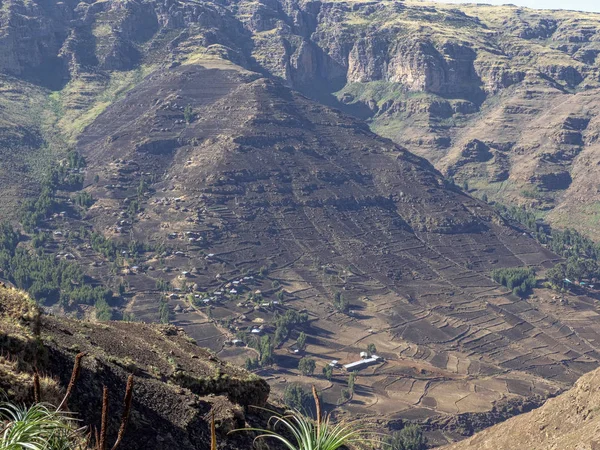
(583, 254)
(301, 341)
(521, 280)
(35, 211)
(47, 280)
(286, 323)
(346, 393)
(340, 303)
(105, 247)
(74, 160)
(307, 366)
(83, 199)
(63, 177)
(164, 312)
(188, 114)
(297, 398)
(409, 438)
(163, 285)
(575, 268)
(264, 347)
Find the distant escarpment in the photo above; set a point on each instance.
(432, 77)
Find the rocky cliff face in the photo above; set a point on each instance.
(431, 77)
(436, 77)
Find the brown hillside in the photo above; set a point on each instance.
(222, 194)
(504, 98)
(569, 421)
(177, 383)
(262, 177)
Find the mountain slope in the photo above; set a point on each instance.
(567, 421)
(265, 190)
(503, 98)
(220, 200)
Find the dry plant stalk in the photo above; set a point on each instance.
(104, 420)
(96, 437)
(36, 387)
(74, 376)
(318, 407)
(126, 411)
(213, 432)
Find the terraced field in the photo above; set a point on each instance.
(272, 203)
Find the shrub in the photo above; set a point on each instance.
(519, 279)
(409, 438)
(307, 366)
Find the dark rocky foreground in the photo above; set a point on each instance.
(177, 384)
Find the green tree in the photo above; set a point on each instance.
(251, 364)
(351, 381)
(188, 114)
(557, 274)
(345, 395)
(409, 438)
(266, 351)
(164, 312)
(103, 311)
(521, 280)
(371, 349)
(296, 398)
(301, 341)
(340, 303)
(307, 366)
(328, 372)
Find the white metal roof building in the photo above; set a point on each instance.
(363, 363)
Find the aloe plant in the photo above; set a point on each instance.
(298, 432)
(38, 427)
